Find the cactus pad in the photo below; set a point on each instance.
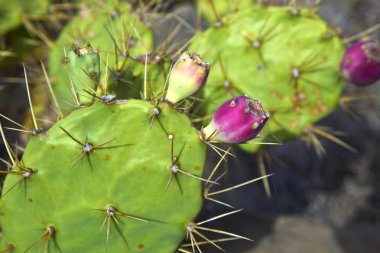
(286, 57)
(83, 64)
(118, 34)
(213, 11)
(106, 164)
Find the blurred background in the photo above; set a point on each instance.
(318, 203)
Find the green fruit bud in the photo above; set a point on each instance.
(188, 75)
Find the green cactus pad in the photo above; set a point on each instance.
(83, 65)
(212, 10)
(112, 28)
(70, 190)
(287, 58)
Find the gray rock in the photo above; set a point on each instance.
(298, 235)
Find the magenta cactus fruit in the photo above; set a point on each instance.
(188, 75)
(237, 120)
(361, 63)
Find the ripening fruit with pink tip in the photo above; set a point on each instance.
(361, 63)
(188, 75)
(237, 120)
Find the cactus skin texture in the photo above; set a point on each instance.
(119, 36)
(287, 58)
(127, 168)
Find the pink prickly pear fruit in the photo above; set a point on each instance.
(188, 75)
(361, 63)
(237, 120)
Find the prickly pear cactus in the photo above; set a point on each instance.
(286, 57)
(122, 41)
(106, 166)
(121, 175)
